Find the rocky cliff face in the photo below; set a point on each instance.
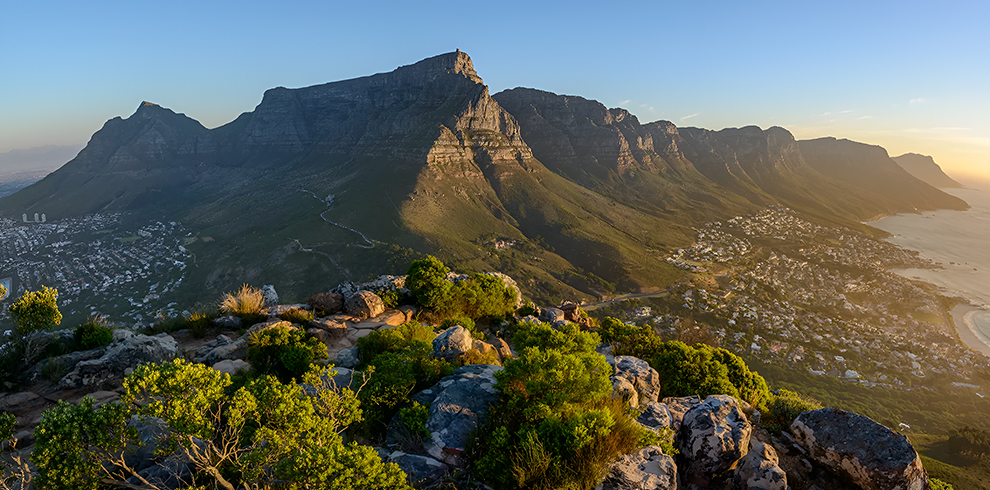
(924, 168)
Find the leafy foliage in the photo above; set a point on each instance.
(394, 340)
(36, 310)
(784, 407)
(427, 282)
(465, 322)
(937, 484)
(92, 334)
(301, 316)
(284, 351)
(568, 339)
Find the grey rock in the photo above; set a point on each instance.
(714, 435)
(347, 358)
(271, 297)
(232, 366)
(655, 415)
(647, 469)
(234, 350)
(327, 303)
(420, 470)
(558, 324)
(460, 406)
(550, 315)
(229, 321)
(678, 406)
(451, 343)
(870, 454)
(120, 356)
(606, 351)
(759, 470)
(529, 319)
(635, 381)
(364, 304)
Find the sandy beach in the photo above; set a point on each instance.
(962, 317)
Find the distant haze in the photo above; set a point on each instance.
(36, 160)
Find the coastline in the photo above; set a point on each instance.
(961, 317)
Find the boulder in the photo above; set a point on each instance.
(271, 297)
(871, 455)
(572, 312)
(678, 406)
(381, 284)
(759, 469)
(606, 351)
(229, 321)
(327, 303)
(529, 319)
(550, 315)
(635, 381)
(347, 358)
(647, 469)
(232, 366)
(460, 404)
(502, 347)
(451, 343)
(233, 350)
(714, 435)
(410, 311)
(655, 415)
(484, 347)
(204, 350)
(16, 401)
(364, 304)
(391, 317)
(123, 355)
(421, 471)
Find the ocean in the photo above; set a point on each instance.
(960, 242)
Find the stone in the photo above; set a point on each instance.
(759, 469)
(364, 304)
(459, 406)
(421, 471)
(271, 297)
(635, 381)
(678, 406)
(452, 343)
(503, 349)
(572, 311)
(229, 321)
(655, 415)
(550, 315)
(529, 319)
(391, 317)
(410, 311)
(347, 358)
(326, 303)
(484, 347)
(232, 366)
(647, 469)
(606, 351)
(714, 435)
(280, 309)
(368, 325)
(15, 401)
(125, 354)
(869, 454)
(234, 350)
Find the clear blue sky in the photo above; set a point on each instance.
(911, 76)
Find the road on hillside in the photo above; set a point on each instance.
(592, 306)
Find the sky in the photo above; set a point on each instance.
(909, 76)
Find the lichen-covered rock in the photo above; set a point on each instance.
(326, 303)
(451, 343)
(635, 380)
(655, 415)
(459, 404)
(420, 470)
(759, 469)
(647, 469)
(678, 406)
(126, 353)
(229, 321)
(714, 435)
(550, 315)
(271, 297)
(364, 304)
(391, 317)
(347, 358)
(871, 455)
(232, 366)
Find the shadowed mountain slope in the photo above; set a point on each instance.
(924, 168)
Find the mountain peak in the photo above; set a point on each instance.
(457, 62)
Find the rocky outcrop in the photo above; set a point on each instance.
(551, 315)
(271, 297)
(759, 470)
(647, 469)
(678, 407)
(869, 454)
(125, 353)
(421, 471)
(635, 381)
(452, 343)
(714, 435)
(459, 404)
(924, 168)
(326, 303)
(656, 415)
(364, 304)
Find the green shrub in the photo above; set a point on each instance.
(247, 301)
(474, 356)
(614, 330)
(36, 310)
(92, 334)
(937, 484)
(284, 351)
(784, 407)
(427, 282)
(7, 421)
(393, 340)
(397, 375)
(527, 309)
(198, 323)
(300, 316)
(568, 339)
(54, 369)
(391, 299)
(72, 440)
(482, 295)
(465, 322)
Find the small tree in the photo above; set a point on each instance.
(427, 282)
(36, 310)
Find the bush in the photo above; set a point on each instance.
(300, 316)
(474, 356)
(427, 282)
(284, 351)
(784, 407)
(390, 299)
(937, 484)
(465, 322)
(482, 295)
(614, 330)
(36, 310)
(567, 339)
(397, 375)
(394, 340)
(527, 309)
(247, 301)
(92, 334)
